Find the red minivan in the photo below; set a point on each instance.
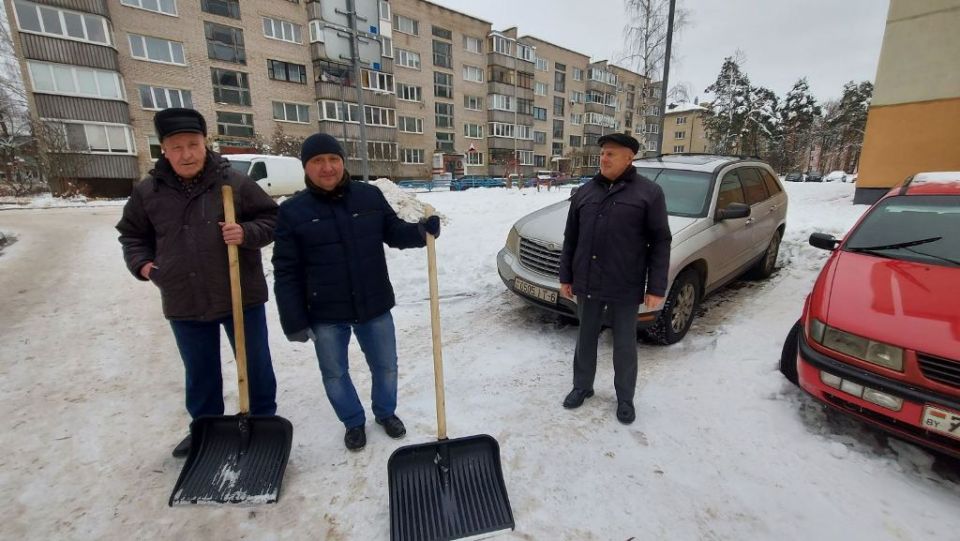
(879, 337)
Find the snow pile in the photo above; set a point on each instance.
(48, 201)
(406, 205)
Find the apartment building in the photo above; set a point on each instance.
(444, 94)
(683, 130)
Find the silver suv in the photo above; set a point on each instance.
(727, 216)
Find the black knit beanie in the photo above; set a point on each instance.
(320, 143)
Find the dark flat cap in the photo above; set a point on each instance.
(179, 120)
(621, 139)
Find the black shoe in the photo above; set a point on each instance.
(183, 448)
(625, 412)
(355, 438)
(393, 426)
(576, 397)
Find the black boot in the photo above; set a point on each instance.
(625, 412)
(393, 426)
(183, 448)
(355, 438)
(576, 397)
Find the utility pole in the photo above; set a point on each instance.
(665, 84)
(354, 35)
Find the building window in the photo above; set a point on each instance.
(499, 102)
(444, 115)
(153, 144)
(540, 89)
(557, 149)
(525, 52)
(525, 80)
(409, 93)
(577, 74)
(379, 116)
(230, 87)
(524, 132)
(596, 119)
(576, 119)
(539, 113)
(500, 74)
(380, 151)
(473, 131)
(474, 158)
(412, 156)
(316, 31)
(442, 85)
(223, 8)
(473, 103)
(442, 54)
(75, 80)
(678, 148)
(61, 23)
(339, 112)
(652, 145)
(384, 10)
(286, 71)
(282, 30)
(557, 129)
(653, 128)
(156, 50)
(440, 32)
(577, 97)
(386, 46)
(539, 160)
(681, 120)
(680, 135)
(291, 112)
(472, 74)
(225, 43)
(498, 129)
(406, 25)
(235, 124)
(408, 59)
(167, 7)
(576, 141)
(155, 98)
(539, 137)
(409, 124)
(502, 45)
(330, 72)
(543, 64)
(377, 81)
(558, 103)
(445, 141)
(559, 80)
(97, 138)
(524, 107)
(473, 45)
(525, 157)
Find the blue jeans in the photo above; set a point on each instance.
(199, 345)
(379, 345)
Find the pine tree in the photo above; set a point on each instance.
(845, 126)
(729, 108)
(797, 117)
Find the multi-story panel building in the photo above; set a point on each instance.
(629, 112)
(600, 111)
(683, 131)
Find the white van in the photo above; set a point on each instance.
(277, 175)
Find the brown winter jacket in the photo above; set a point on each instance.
(180, 235)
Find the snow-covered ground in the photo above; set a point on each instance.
(723, 447)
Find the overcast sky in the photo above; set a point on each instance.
(828, 41)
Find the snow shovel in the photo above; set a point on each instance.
(235, 458)
(446, 489)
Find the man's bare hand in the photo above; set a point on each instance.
(566, 290)
(146, 268)
(232, 233)
(652, 302)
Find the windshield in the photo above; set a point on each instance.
(921, 228)
(241, 166)
(686, 191)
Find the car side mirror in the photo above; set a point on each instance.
(824, 241)
(732, 212)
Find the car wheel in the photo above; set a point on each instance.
(768, 262)
(678, 310)
(788, 357)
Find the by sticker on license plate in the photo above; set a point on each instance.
(536, 292)
(942, 421)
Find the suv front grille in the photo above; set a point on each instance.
(539, 257)
(940, 370)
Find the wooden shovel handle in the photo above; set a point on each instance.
(435, 323)
(236, 300)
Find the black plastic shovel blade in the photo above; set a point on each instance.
(447, 490)
(236, 459)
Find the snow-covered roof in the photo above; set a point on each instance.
(684, 108)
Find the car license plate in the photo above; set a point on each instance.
(536, 292)
(942, 421)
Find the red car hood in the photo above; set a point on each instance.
(912, 305)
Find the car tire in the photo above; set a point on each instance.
(788, 356)
(678, 310)
(768, 261)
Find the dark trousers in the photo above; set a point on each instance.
(199, 345)
(624, 318)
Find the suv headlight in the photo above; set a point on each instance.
(878, 353)
(513, 241)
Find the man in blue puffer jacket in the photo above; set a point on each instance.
(331, 279)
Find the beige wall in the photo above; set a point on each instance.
(694, 137)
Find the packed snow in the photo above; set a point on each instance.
(723, 447)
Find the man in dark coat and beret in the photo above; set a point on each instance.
(616, 254)
(331, 281)
(173, 234)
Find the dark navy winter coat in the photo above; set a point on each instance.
(616, 245)
(328, 257)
